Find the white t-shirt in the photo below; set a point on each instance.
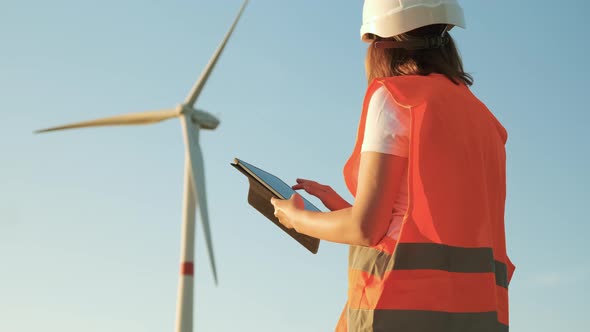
(387, 130)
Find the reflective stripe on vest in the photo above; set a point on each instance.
(449, 271)
(429, 256)
(421, 321)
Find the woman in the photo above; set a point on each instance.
(426, 230)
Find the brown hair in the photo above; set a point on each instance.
(385, 62)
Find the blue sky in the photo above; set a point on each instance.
(90, 219)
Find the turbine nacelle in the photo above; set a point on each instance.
(201, 118)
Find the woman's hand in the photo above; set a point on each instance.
(326, 194)
(287, 210)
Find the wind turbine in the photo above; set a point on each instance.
(192, 121)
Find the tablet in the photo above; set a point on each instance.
(263, 186)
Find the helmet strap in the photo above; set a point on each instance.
(415, 44)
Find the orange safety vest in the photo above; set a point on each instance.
(448, 271)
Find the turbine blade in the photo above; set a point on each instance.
(196, 90)
(120, 120)
(198, 177)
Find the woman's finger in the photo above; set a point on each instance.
(276, 202)
(297, 186)
(313, 190)
(307, 181)
(302, 182)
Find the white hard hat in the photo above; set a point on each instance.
(388, 18)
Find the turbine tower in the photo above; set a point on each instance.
(192, 121)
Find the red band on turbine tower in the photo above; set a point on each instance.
(187, 269)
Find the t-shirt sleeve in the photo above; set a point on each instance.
(387, 128)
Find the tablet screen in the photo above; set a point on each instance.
(275, 183)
